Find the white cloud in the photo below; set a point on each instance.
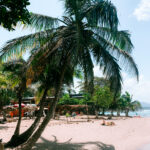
(142, 12)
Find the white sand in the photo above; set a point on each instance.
(128, 134)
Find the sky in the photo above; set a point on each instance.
(134, 15)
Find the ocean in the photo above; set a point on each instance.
(144, 112)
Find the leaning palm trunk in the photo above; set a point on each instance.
(19, 96)
(37, 134)
(17, 131)
(30, 143)
(22, 138)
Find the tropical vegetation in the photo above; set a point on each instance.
(13, 11)
(86, 35)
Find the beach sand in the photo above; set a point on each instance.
(127, 134)
(146, 147)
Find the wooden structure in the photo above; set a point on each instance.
(63, 109)
(28, 100)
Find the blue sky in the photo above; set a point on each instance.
(134, 15)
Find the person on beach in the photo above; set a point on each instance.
(67, 115)
(11, 114)
(104, 123)
(74, 114)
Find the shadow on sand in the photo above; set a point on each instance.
(54, 145)
(3, 127)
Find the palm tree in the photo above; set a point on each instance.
(16, 72)
(47, 80)
(20, 73)
(129, 104)
(6, 90)
(87, 34)
(91, 29)
(58, 79)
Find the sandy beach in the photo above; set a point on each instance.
(127, 134)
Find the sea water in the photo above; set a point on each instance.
(144, 112)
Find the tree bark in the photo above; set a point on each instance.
(112, 112)
(30, 143)
(20, 91)
(103, 111)
(37, 134)
(17, 130)
(22, 138)
(127, 113)
(4, 115)
(96, 114)
(96, 111)
(118, 112)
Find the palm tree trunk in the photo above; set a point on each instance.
(4, 115)
(112, 112)
(118, 112)
(127, 113)
(17, 131)
(96, 114)
(20, 91)
(103, 112)
(37, 134)
(96, 111)
(22, 138)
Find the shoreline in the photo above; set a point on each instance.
(126, 134)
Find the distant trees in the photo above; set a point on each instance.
(66, 100)
(12, 11)
(127, 104)
(102, 99)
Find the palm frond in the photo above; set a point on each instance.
(124, 59)
(136, 105)
(87, 67)
(108, 64)
(17, 47)
(74, 6)
(41, 22)
(102, 13)
(119, 38)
